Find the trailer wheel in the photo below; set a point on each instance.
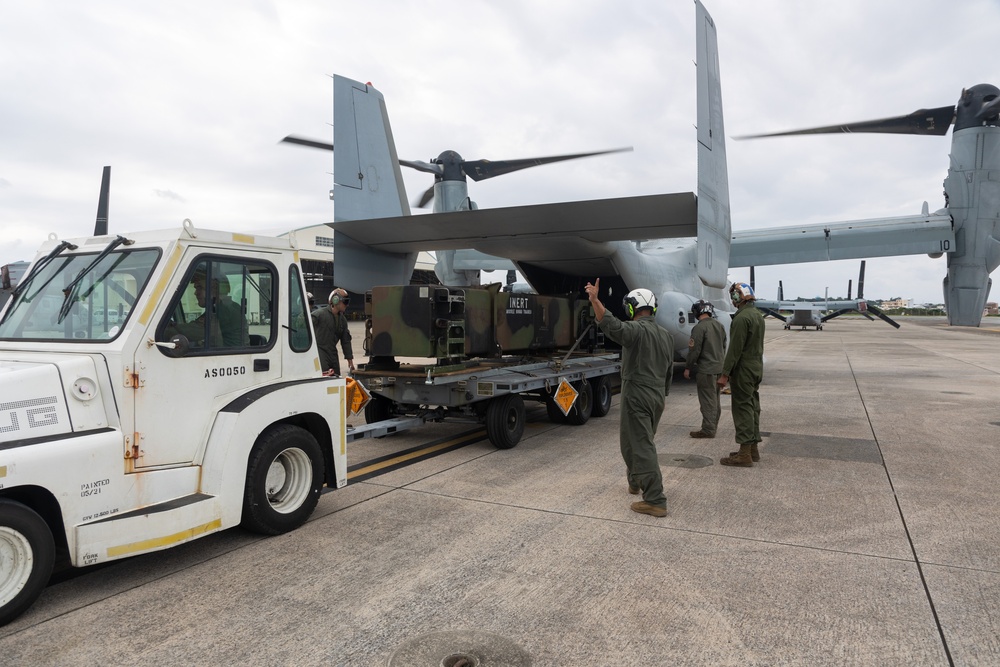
(601, 388)
(379, 409)
(583, 406)
(27, 553)
(505, 420)
(284, 480)
(555, 414)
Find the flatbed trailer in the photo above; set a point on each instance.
(491, 391)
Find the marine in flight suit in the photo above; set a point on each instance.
(647, 368)
(744, 369)
(706, 350)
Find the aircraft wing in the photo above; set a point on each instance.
(819, 305)
(562, 231)
(879, 237)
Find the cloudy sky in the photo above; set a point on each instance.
(187, 102)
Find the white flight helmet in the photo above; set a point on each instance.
(639, 298)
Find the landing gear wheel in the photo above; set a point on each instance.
(505, 420)
(27, 553)
(583, 406)
(600, 387)
(284, 480)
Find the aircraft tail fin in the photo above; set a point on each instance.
(367, 183)
(714, 222)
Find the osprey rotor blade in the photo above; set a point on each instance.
(836, 313)
(923, 121)
(420, 165)
(426, 197)
(882, 316)
(103, 203)
(773, 313)
(479, 170)
(292, 139)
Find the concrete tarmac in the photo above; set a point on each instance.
(869, 534)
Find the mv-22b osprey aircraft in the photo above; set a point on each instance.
(677, 245)
(817, 313)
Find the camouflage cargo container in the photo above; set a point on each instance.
(463, 322)
(429, 321)
(534, 323)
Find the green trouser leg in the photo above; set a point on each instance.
(641, 412)
(746, 407)
(708, 399)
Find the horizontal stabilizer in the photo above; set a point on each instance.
(578, 227)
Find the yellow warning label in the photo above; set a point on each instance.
(565, 396)
(357, 396)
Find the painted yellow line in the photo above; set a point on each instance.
(166, 540)
(412, 455)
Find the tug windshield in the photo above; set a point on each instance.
(78, 298)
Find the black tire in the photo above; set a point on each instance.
(505, 420)
(600, 387)
(555, 414)
(378, 409)
(284, 480)
(27, 553)
(583, 405)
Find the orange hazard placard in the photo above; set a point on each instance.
(357, 396)
(565, 396)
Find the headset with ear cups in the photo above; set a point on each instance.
(638, 299)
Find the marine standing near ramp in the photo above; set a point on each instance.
(647, 368)
(331, 328)
(706, 350)
(744, 368)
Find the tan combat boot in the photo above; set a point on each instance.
(741, 458)
(754, 454)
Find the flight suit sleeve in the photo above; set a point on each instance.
(738, 331)
(345, 341)
(694, 347)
